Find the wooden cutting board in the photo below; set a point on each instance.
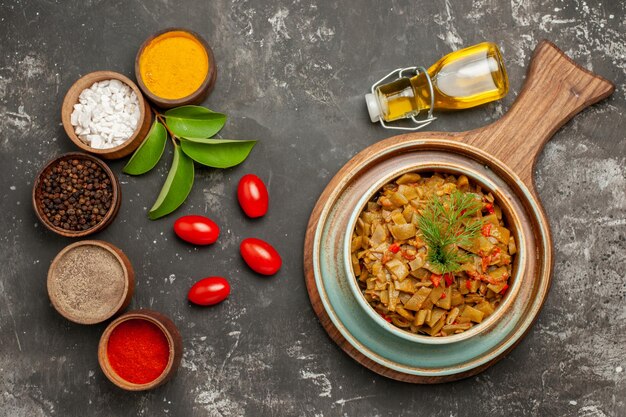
(556, 89)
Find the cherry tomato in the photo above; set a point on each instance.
(252, 196)
(260, 256)
(198, 230)
(209, 291)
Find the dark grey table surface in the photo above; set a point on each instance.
(292, 74)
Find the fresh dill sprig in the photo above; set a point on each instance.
(447, 223)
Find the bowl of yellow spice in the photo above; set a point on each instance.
(175, 67)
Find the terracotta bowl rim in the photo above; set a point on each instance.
(106, 366)
(81, 84)
(111, 213)
(112, 249)
(204, 88)
(515, 280)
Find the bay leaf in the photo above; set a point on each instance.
(194, 121)
(176, 187)
(149, 152)
(217, 153)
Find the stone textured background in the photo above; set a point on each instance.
(292, 74)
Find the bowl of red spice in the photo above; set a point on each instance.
(76, 195)
(140, 350)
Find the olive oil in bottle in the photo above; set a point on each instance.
(460, 80)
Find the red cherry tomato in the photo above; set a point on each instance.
(260, 256)
(252, 196)
(209, 291)
(198, 230)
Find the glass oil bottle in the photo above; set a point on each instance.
(462, 79)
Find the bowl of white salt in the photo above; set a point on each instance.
(104, 113)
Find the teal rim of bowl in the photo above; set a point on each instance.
(397, 353)
(371, 312)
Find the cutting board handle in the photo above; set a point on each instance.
(555, 90)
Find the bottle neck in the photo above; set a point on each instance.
(422, 90)
(403, 98)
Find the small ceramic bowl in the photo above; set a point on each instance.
(172, 335)
(514, 280)
(108, 218)
(132, 143)
(197, 96)
(95, 256)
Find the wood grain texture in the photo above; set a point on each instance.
(555, 90)
(302, 97)
(143, 125)
(433, 141)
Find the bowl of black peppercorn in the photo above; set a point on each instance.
(76, 195)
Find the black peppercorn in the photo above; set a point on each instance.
(66, 198)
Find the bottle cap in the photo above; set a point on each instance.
(372, 107)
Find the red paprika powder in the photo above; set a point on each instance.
(138, 351)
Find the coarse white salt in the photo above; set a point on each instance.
(106, 115)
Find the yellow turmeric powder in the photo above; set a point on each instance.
(174, 65)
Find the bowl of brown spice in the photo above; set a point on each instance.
(90, 281)
(76, 194)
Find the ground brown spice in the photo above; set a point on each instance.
(88, 283)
